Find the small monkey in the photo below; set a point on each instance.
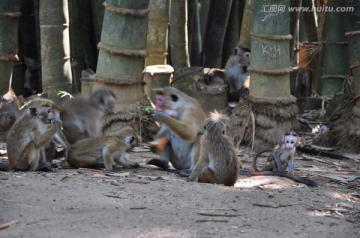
(82, 116)
(182, 129)
(28, 138)
(281, 158)
(108, 149)
(236, 74)
(217, 161)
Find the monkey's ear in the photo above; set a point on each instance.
(174, 97)
(33, 111)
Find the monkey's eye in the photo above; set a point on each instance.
(101, 101)
(174, 97)
(33, 111)
(48, 110)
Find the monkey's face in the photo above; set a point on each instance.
(290, 141)
(45, 114)
(171, 99)
(104, 98)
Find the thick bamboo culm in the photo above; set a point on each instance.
(157, 45)
(336, 52)
(9, 22)
(55, 47)
(270, 52)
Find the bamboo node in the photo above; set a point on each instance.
(9, 57)
(125, 11)
(127, 52)
(271, 71)
(117, 81)
(10, 14)
(271, 37)
(351, 33)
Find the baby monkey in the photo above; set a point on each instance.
(108, 149)
(217, 161)
(281, 158)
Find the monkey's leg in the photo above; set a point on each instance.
(82, 161)
(163, 162)
(207, 176)
(122, 158)
(43, 165)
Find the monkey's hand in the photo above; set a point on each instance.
(161, 116)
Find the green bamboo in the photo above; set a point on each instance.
(195, 33)
(122, 52)
(157, 45)
(246, 25)
(215, 32)
(77, 56)
(336, 53)
(178, 36)
(55, 47)
(270, 53)
(352, 27)
(97, 12)
(309, 19)
(9, 21)
(232, 32)
(204, 6)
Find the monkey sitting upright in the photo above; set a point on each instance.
(82, 116)
(282, 156)
(108, 149)
(235, 74)
(217, 161)
(182, 130)
(28, 137)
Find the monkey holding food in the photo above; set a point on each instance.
(217, 161)
(28, 137)
(108, 149)
(182, 129)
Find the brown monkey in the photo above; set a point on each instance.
(235, 74)
(217, 161)
(28, 138)
(282, 157)
(182, 129)
(59, 136)
(82, 116)
(107, 149)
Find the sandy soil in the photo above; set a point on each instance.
(148, 202)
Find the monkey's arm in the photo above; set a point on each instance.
(202, 163)
(47, 137)
(183, 129)
(60, 138)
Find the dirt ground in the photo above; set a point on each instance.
(149, 202)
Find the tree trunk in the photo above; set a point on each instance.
(270, 103)
(157, 45)
(55, 47)
(336, 53)
(178, 37)
(195, 33)
(9, 21)
(246, 25)
(122, 53)
(215, 32)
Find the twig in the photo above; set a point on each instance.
(6, 225)
(211, 220)
(217, 215)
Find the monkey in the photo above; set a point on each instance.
(235, 74)
(217, 161)
(28, 138)
(281, 158)
(107, 149)
(182, 130)
(82, 116)
(42, 104)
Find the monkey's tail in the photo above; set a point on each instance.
(308, 182)
(257, 155)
